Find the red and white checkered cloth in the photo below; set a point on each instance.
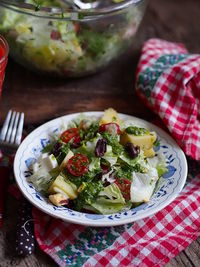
(168, 80)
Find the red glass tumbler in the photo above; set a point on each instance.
(4, 49)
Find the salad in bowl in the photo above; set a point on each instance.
(99, 168)
(48, 37)
(99, 165)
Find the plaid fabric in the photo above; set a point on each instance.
(168, 80)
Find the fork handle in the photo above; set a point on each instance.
(4, 178)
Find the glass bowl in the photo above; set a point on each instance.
(61, 41)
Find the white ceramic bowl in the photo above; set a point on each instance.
(167, 190)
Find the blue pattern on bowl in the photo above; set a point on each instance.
(160, 193)
(166, 187)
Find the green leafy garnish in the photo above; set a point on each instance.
(64, 150)
(113, 141)
(88, 194)
(124, 172)
(85, 178)
(55, 172)
(136, 130)
(91, 132)
(47, 148)
(95, 42)
(134, 164)
(156, 143)
(37, 7)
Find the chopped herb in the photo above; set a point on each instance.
(91, 132)
(133, 165)
(63, 152)
(80, 16)
(96, 43)
(136, 130)
(86, 177)
(62, 15)
(156, 143)
(55, 172)
(112, 140)
(124, 172)
(47, 148)
(37, 7)
(114, 118)
(88, 194)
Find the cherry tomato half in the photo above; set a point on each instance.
(110, 127)
(72, 133)
(124, 186)
(78, 164)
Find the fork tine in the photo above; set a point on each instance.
(12, 139)
(5, 126)
(10, 127)
(19, 130)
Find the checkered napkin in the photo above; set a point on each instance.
(168, 80)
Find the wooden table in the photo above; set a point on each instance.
(44, 98)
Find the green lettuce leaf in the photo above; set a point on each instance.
(110, 200)
(88, 148)
(137, 164)
(94, 164)
(41, 180)
(110, 156)
(161, 168)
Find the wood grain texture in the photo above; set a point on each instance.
(44, 98)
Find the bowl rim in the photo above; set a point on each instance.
(100, 223)
(68, 13)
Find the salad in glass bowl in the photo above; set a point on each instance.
(48, 37)
(99, 166)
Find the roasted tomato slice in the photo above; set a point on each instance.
(124, 186)
(78, 164)
(111, 127)
(72, 133)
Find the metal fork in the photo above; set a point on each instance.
(11, 132)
